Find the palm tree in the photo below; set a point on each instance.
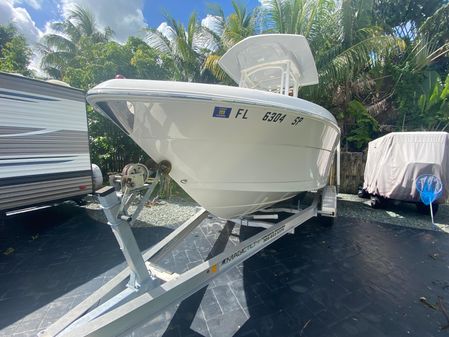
(78, 31)
(296, 16)
(349, 53)
(341, 37)
(183, 45)
(239, 25)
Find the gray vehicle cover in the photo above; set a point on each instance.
(395, 161)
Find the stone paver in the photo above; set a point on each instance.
(358, 278)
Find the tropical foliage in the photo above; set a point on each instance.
(15, 55)
(71, 38)
(383, 64)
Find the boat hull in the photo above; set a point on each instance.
(233, 154)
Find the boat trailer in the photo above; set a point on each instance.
(118, 306)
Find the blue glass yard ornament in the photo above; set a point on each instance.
(430, 189)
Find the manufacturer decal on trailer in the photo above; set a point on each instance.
(254, 244)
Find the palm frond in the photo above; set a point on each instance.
(108, 33)
(210, 40)
(58, 42)
(68, 30)
(362, 55)
(275, 14)
(84, 20)
(239, 25)
(53, 72)
(155, 39)
(211, 64)
(312, 16)
(432, 27)
(362, 85)
(55, 60)
(378, 108)
(58, 26)
(425, 52)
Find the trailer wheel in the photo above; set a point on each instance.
(362, 193)
(425, 209)
(80, 201)
(376, 202)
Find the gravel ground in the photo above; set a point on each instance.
(177, 210)
(395, 213)
(162, 213)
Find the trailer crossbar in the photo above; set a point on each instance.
(109, 311)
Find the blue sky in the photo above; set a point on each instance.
(181, 10)
(33, 18)
(153, 10)
(125, 17)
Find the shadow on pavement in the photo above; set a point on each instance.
(54, 253)
(357, 278)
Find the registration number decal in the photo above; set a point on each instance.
(297, 120)
(277, 117)
(244, 114)
(274, 117)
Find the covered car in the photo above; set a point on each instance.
(396, 160)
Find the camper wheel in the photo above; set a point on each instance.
(80, 201)
(362, 193)
(425, 209)
(376, 201)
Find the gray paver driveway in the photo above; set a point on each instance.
(358, 278)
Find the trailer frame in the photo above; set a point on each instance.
(115, 308)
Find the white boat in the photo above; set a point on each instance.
(234, 150)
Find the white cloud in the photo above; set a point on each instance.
(214, 23)
(200, 41)
(264, 3)
(21, 19)
(35, 66)
(125, 17)
(166, 30)
(36, 4)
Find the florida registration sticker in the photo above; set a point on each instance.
(221, 112)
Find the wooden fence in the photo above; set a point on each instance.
(352, 167)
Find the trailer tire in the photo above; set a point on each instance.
(362, 193)
(376, 202)
(80, 201)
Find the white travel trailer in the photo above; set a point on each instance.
(44, 146)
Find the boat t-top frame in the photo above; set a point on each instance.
(275, 62)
